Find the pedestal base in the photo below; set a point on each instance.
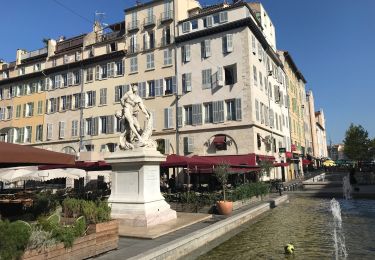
(135, 193)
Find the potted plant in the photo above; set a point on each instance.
(221, 173)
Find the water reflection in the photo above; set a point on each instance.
(307, 223)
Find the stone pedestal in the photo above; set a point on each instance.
(135, 192)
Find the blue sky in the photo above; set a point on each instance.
(331, 41)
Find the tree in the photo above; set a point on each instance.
(221, 172)
(265, 168)
(357, 143)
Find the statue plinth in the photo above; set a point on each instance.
(135, 192)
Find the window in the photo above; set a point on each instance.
(91, 98)
(133, 64)
(194, 24)
(207, 22)
(111, 47)
(92, 126)
(234, 109)
(197, 114)
(255, 76)
(186, 53)
(188, 115)
(168, 57)
(223, 17)
(37, 67)
(260, 51)
(170, 85)
(260, 80)
(90, 148)
(206, 48)
(76, 77)
(57, 82)
(261, 112)
(119, 68)
(61, 130)
(208, 113)
(2, 113)
(230, 73)
(186, 82)
(228, 43)
(218, 111)
(166, 36)
(206, 78)
(18, 111)
(133, 44)
(188, 145)
(168, 117)
(9, 112)
(29, 109)
(40, 107)
(74, 128)
(142, 89)
(21, 71)
(253, 44)
(103, 96)
(186, 27)
(28, 132)
(120, 91)
(159, 86)
(70, 78)
(150, 61)
(106, 124)
(257, 110)
(151, 88)
(64, 79)
(39, 133)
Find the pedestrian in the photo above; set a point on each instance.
(172, 184)
(352, 179)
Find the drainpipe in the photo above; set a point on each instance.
(176, 75)
(81, 130)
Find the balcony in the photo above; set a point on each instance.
(149, 21)
(166, 16)
(110, 36)
(33, 54)
(133, 25)
(69, 44)
(133, 48)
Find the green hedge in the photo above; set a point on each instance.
(14, 237)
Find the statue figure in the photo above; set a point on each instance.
(131, 133)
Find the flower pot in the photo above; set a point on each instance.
(224, 207)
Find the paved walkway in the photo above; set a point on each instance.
(131, 247)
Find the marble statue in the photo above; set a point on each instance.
(132, 136)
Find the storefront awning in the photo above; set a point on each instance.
(280, 164)
(219, 140)
(306, 162)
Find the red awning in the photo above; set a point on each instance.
(239, 161)
(288, 154)
(306, 162)
(174, 160)
(280, 164)
(219, 140)
(97, 166)
(265, 157)
(12, 155)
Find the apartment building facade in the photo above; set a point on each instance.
(231, 85)
(295, 82)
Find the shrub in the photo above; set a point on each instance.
(14, 237)
(40, 238)
(103, 211)
(44, 204)
(89, 211)
(72, 207)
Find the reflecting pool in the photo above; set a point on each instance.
(308, 224)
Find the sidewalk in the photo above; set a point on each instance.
(144, 248)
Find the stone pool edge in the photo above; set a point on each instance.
(189, 243)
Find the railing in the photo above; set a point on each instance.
(35, 53)
(133, 25)
(150, 20)
(110, 36)
(166, 16)
(69, 43)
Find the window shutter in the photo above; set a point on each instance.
(187, 53)
(95, 125)
(257, 110)
(190, 144)
(229, 42)
(260, 51)
(179, 116)
(170, 119)
(110, 121)
(117, 93)
(253, 44)
(61, 130)
(186, 145)
(49, 131)
(215, 111)
(223, 17)
(209, 21)
(237, 102)
(158, 91)
(174, 89)
(220, 76)
(197, 114)
(221, 111)
(166, 118)
(166, 146)
(24, 110)
(207, 48)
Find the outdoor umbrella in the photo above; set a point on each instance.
(17, 155)
(70, 173)
(18, 174)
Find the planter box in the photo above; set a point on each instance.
(100, 238)
(241, 203)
